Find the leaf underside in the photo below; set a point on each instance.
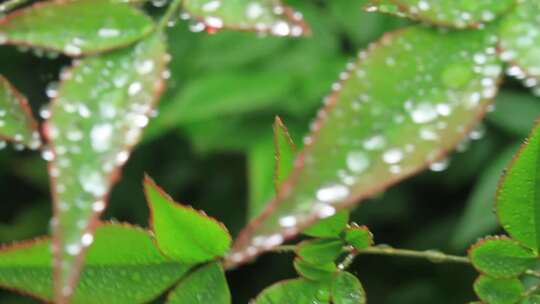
(123, 266)
(102, 105)
(399, 109)
(75, 27)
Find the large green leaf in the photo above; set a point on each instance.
(16, 121)
(346, 289)
(183, 233)
(123, 266)
(264, 16)
(520, 40)
(75, 27)
(206, 284)
(501, 257)
(102, 105)
(498, 291)
(518, 198)
(453, 13)
(397, 110)
(298, 291)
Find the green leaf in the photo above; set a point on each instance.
(478, 218)
(320, 251)
(451, 13)
(501, 257)
(75, 27)
(183, 233)
(534, 299)
(329, 227)
(298, 291)
(261, 170)
(515, 112)
(123, 266)
(263, 16)
(400, 109)
(519, 42)
(285, 152)
(102, 105)
(206, 284)
(346, 289)
(498, 291)
(16, 121)
(315, 272)
(518, 197)
(359, 237)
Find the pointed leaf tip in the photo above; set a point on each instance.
(17, 123)
(182, 233)
(103, 104)
(284, 152)
(395, 112)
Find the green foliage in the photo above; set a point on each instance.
(300, 291)
(266, 16)
(346, 289)
(329, 227)
(315, 272)
(76, 27)
(174, 226)
(285, 152)
(206, 284)
(16, 122)
(451, 13)
(320, 251)
(359, 237)
(102, 105)
(123, 266)
(398, 135)
(501, 257)
(518, 198)
(519, 41)
(498, 291)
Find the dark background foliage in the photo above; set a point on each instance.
(235, 83)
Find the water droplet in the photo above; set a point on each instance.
(332, 193)
(357, 161)
(393, 156)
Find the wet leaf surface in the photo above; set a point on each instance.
(206, 284)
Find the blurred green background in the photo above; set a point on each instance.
(210, 146)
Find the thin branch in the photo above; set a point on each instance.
(10, 5)
(531, 290)
(433, 256)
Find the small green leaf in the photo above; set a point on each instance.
(359, 237)
(320, 251)
(518, 197)
(346, 289)
(397, 110)
(261, 170)
(75, 27)
(285, 152)
(329, 227)
(298, 291)
(102, 105)
(263, 16)
(498, 291)
(501, 257)
(16, 121)
(520, 42)
(123, 266)
(315, 272)
(206, 284)
(183, 233)
(452, 13)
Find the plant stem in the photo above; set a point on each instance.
(171, 10)
(533, 289)
(11, 4)
(431, 255)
